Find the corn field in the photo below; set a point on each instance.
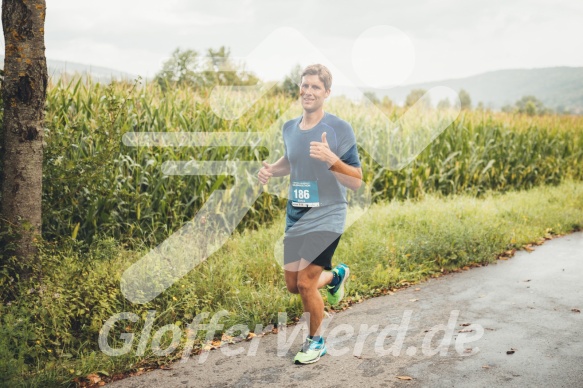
(94, 184)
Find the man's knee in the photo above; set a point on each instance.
(293, 288)
(306, 285)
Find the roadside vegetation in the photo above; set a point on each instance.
(49, 334)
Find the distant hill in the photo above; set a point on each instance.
(57, 68)
(556, 87)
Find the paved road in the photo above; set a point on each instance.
(525, 303)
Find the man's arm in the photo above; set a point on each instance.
(346, 174)
(280, 168)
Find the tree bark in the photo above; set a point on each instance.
(21, 141)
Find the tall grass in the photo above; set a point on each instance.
(93, 184)
(480, 152)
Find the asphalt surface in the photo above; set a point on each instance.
(526, 305)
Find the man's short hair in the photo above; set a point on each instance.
(322, 72)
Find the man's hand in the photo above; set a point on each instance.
(277, 169)
(348, 176)
(265, 173)
(322, 152)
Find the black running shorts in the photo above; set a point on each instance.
(315, 247)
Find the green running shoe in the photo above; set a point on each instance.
(336, 293)
(326, 316)
(310, 352)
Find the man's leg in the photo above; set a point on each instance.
(325, 279)
(291, 276)
(309, 280)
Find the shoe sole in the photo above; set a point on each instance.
(312, 361)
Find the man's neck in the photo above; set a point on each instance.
(310, 119)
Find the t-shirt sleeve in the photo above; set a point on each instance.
(350, 157)
(347, 149)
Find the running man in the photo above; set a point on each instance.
(322, 160)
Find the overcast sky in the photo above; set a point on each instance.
(419, 40)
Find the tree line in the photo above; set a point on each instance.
(216, 67)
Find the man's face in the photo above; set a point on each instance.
(312, 93)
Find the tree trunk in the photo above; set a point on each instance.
(21, 140)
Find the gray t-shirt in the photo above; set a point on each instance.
(330, 215)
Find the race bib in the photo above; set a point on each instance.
(305, 194)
